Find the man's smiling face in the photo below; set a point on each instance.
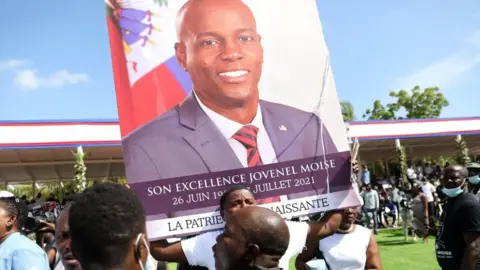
(221, 50)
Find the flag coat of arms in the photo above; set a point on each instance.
(148, 78)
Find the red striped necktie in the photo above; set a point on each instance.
(247, 136)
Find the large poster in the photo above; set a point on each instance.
(217, 93)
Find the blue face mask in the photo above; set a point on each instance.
(474, 179)
(452, 192)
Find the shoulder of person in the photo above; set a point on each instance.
(162, 122)
(362, 229)
(468, 199)
(31, 254)
(281, 110)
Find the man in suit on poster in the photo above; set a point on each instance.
(222, 124)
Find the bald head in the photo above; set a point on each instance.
(253, 236)
(192, 16)
(458, 169)
(264, 228)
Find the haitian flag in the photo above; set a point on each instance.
(148, 78)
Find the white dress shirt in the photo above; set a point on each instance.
(198, 249)
(228, 128)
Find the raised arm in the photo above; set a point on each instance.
(326, 226)
(161, 250)
(307, 255)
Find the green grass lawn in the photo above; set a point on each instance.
(397, 254)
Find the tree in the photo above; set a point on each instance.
(461, 157)
(80, 170)
(417, 103)
(348, 111)
(379, 112)
(402, 164)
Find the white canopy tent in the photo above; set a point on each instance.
(41, 151)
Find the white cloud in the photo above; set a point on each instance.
(474, 39)
(12, 64)
(29, 79)
(447, 71)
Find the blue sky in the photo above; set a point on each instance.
(55, 59)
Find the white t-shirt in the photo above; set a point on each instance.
(411, 174)
(198, 250)
(428, 189)
(347, 251)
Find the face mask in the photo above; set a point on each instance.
(453, 192)
(474, 179)
(148, 264)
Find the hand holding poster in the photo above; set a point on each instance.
(217, 93)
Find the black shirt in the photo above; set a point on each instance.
(460, 214)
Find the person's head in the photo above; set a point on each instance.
(235, 198)
(427, 164)
(416, 190)
(407, 187)
(474, 173)
(364, 167)
(9, 214)
(454, 179)
(368, 187)
(253, 236)
(220, 48)
(349, 217)
(39, 195)
(62, 239)
(107, 228)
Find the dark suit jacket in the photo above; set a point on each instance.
(184, 141)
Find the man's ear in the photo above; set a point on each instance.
(11, 221)
(252, 251)
(141, 250)
(180, 53)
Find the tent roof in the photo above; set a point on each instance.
(42, 150)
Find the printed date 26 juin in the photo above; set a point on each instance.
(191, 198)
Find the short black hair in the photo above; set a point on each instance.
(103, 222)
(223, 198)
(22, 215)
(10, 205)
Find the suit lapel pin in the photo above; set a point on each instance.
(282, 128)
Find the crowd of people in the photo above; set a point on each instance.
(105, 228)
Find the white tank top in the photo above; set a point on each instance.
(346, 251)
